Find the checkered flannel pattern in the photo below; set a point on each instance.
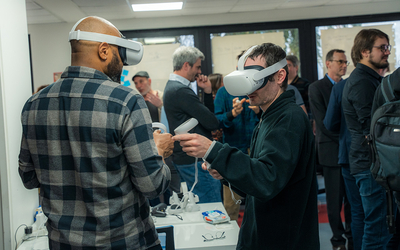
(87, 143)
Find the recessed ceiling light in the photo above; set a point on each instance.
(157, 6)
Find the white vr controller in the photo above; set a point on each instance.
(159, 125)
(186, 126)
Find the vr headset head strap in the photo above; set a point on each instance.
(97, 37)
(244, 57)
(131, 52)
(270, 70)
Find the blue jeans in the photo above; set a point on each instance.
(373, 197)
(207, 188)
(357, 211)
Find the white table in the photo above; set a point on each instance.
(188, 232)
(189, 217)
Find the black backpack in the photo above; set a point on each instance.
(384, 140)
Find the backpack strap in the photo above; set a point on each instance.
(387, 90)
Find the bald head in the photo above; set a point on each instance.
(101, 56)
(96, 25)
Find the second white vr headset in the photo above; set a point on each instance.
(131, 52)
(246, 80)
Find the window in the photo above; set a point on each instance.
(342, 37)
(225, 47)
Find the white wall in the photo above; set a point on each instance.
(18, 204)
(51, 52)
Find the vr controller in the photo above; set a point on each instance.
(186, 126)
(187, 203)
(159, 125)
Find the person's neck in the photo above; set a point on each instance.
(335, 78)
(83, 61)
(265, 106)
(181, 73)
(366, 62)
(290, 79)
(151, 91)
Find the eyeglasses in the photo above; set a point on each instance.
(217, 236)
(340, 62)
(384, 47)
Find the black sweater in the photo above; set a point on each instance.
(181, 104)
(358, 95)
(278, 179)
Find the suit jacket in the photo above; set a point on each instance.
(327, 141)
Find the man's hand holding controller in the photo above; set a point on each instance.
(196, 145)
(164, 143)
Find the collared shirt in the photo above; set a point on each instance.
(332, 81)
(184, 81)
(181, 79)
(87, 143)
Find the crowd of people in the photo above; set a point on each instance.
(88, 144)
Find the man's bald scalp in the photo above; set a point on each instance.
(96, 25)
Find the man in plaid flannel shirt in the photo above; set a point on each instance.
(88, 144)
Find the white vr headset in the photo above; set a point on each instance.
(246, 80)
(131, 52)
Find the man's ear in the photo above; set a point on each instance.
(104, 51)
(327, 63)
(149, 80)
(365, 53)
(186, 66)
(281, 75)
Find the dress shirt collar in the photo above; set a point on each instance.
(332, 81)
(178, 78)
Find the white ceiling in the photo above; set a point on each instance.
(60, 11)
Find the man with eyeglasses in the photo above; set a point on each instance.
(369, 53)
(328, 148)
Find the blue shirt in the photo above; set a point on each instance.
(330, 79)
(334, 121)
(237, 131)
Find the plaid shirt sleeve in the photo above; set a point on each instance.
(26, 168)
(141, 153)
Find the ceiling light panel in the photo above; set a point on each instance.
(157, 6)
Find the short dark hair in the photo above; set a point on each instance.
(272, 54)
(240, 55)
(293, 59)
(365, 40)
(329, 55)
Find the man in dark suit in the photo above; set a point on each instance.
(328, 147)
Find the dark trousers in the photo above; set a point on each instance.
(357, 211)
(335, 198)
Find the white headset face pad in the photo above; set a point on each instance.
(244, 82)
